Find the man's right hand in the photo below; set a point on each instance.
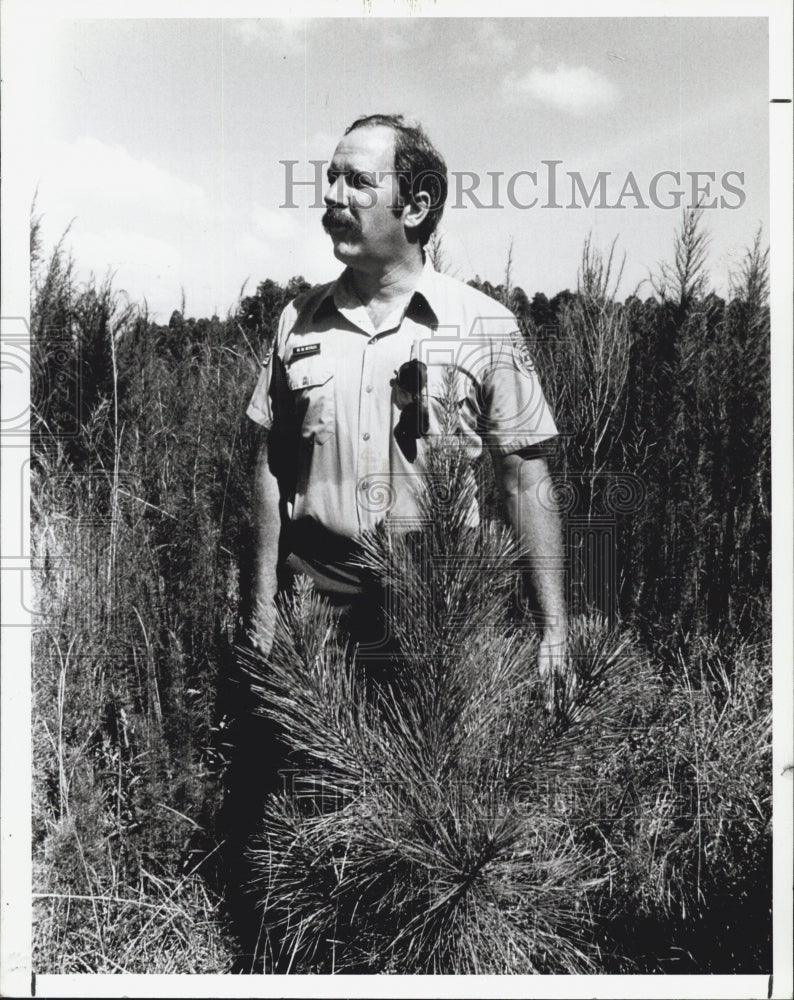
(263, 618)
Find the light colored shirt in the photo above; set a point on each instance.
(327, 392)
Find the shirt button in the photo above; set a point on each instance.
(365, 486)
(369, 388)
(305, 379)
(366, 435)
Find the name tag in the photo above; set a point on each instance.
(305, 350)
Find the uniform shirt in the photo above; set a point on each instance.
(327, 394)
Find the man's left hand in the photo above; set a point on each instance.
(551, 655)
(552, 665)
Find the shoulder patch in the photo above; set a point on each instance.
(523, 354)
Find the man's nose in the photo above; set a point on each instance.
(335, 193)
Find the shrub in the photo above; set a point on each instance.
(433, 821)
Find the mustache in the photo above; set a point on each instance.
(333, 218)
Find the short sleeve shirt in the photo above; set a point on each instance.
(328, 394)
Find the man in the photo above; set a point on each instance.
(353, 391)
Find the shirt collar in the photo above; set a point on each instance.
(427, 294)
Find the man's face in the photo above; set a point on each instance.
(361, 197)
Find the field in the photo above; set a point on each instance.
(622, 826)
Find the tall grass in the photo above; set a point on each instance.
(137, 603)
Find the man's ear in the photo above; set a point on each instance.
(415, 211)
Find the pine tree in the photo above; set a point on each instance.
(437, 810)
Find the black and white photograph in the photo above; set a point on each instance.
(396, 401)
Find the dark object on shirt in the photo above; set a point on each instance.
(414, 423)
(414, 419)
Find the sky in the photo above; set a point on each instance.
(158, 142)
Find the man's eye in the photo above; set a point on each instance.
(355, 180)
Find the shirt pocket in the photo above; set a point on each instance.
(311, 383)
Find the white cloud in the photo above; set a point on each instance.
(90, 173)
(574, 89)
(283, 33)
(159, 233)
(274, 223)
(130, 217)
(491, 41)
(123, 248)
(249, 31)
(142, 266)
